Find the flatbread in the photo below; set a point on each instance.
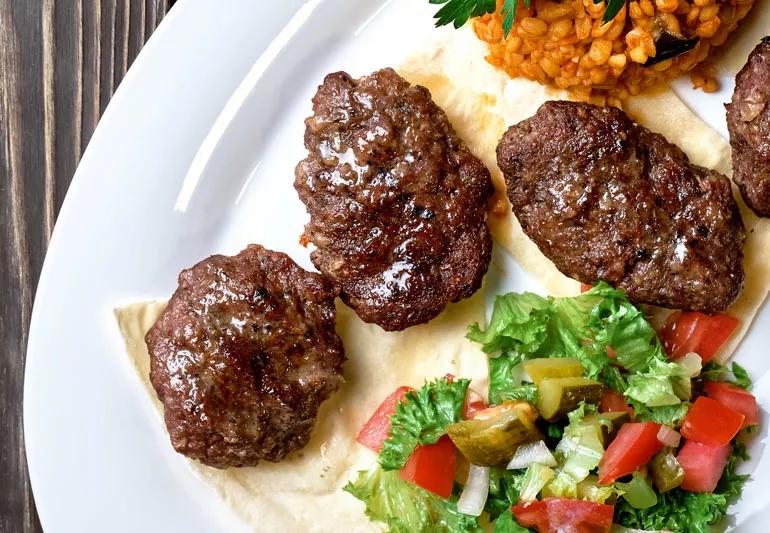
(303, 493)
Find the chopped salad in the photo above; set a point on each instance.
(593, 419)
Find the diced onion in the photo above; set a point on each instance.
(532, 452)
(691, 363)
(669, 437)
(475, 492)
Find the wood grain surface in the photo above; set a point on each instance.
(60, 62)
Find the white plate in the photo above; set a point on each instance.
(194, 155)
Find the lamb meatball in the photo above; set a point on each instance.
(397, 202)
(242, 357)
(607, 199)
(748, 120)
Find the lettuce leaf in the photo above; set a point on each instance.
(407, 508)
(504, 489)
(526, 326)
(422, 418)
(735, 375)
(506, 523)
(687, 512)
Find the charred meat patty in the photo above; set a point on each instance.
(748, 119)
(606, 199)
(397, 203)
(242, 357)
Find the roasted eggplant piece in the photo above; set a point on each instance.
(668, 43)
(492, 436)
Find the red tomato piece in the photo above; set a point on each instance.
(686, 332)
(558, 515)
(710, 422)
(585, 287)
(474, 403)
(432, 467)
(736, 398)
(635, 444)
(376, 429)
(613, 402)
(702, 464)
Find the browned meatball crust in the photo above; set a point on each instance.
(242, 357)
(397, 203)
(748, 120)
(606, 199)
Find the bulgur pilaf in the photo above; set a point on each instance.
(565, 45)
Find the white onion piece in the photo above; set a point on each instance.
(532, 452)
(669, 437)
(475, 492)
(691, 363)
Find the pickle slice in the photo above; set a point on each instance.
(540, 369)
(492, 436)
(559, 396)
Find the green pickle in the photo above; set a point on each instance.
(540, 369)
(666, 471)
(558, 396)
(638, 492)
(492, 436)
(609, 422)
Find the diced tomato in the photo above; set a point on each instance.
(557, 515)
(613, 402)
(686, 332)
(585, 287)
(432, 467)
(736, 398)
(474, 403)
(376, 429)
(710, 422)
(702, 464)
(635, 444)
(450, 378)
(611, 353)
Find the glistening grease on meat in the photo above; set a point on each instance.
(748, 119)
(242, 357)
(606, 199)
(397, 203)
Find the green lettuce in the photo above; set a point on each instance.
(504, 490)
(508, 524)
(526, 326)
(407, 508)
(735, 375)
(687, 512)
(422, 418)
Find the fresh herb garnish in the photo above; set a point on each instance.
(457, 12)
(613, 8)
(422, 418)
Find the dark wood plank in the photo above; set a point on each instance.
(60, 63)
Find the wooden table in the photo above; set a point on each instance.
(60, 62)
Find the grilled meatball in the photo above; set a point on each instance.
(606, 199)
(242, 357)
(748, 119)
(397, 203)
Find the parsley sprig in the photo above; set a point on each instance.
(457, 12)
